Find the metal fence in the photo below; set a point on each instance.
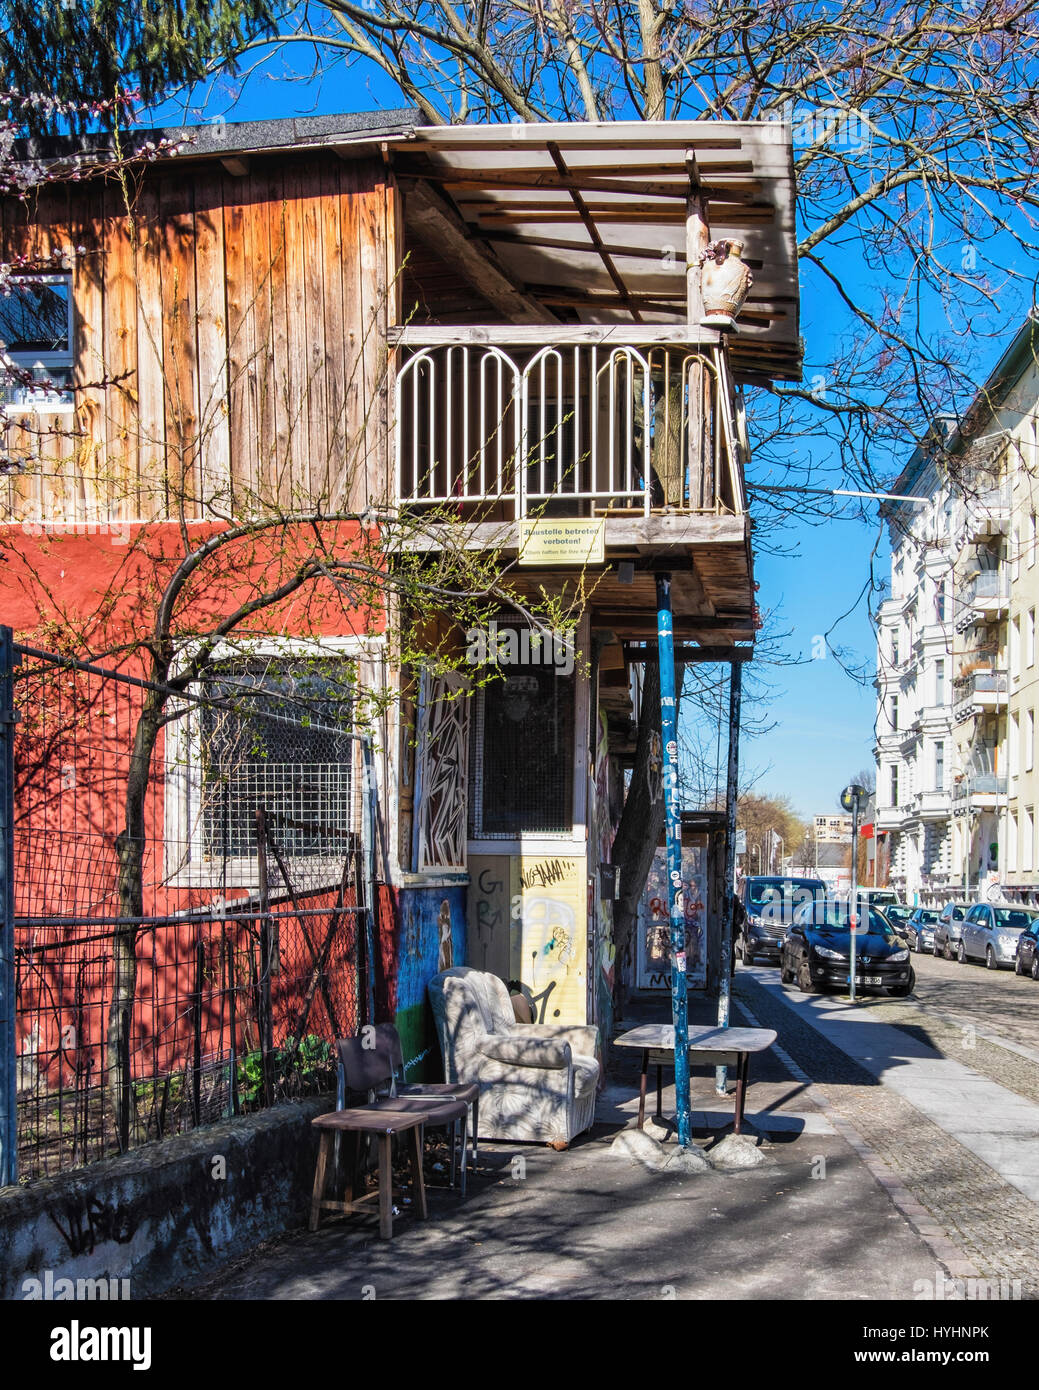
(251, 950)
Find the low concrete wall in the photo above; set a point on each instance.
(168, 1212)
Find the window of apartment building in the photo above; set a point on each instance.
(1011, 842)
(522, 763)
(893, 713)
(1014, 746)
(1015, 648)
(1030, 637)
(894, 649)
(1030, 556)
(1029, 739)
(894, 785)
(1027, 839)
(939, 601)
(273, 733)
(36, 339)
(939, 766)
(939, 681)
(1015, 553)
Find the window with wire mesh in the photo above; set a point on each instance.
(522, 765)
(276, 734)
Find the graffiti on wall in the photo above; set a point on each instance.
(601, 952)
(443, 742)
(490, 879)
(654, 960)
(549, 927)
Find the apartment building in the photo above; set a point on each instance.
(914, 686)
(957, 668)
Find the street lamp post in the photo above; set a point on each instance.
(851, 798)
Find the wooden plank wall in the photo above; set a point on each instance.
(230, 343)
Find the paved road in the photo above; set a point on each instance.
(996, 1002)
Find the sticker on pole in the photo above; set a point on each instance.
(680, 961)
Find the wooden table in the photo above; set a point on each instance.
(709, 1045)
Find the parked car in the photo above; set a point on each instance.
(817, 952)
(947, 929)
(1026, 957)
(920, 929)
(992, 933)
(878, 897)
(898, 914)
(769, 904)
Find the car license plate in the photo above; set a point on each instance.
(869, 979)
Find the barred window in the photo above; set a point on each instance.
(276, 734)
(36, 340)
(522, 764)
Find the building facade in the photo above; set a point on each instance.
(956, 663)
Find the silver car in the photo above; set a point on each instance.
(991, 934)
(920, 929)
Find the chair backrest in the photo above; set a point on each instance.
(467, 1004)
(367, 1067)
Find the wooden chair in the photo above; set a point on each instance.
(469, 1091)
(366, 1065)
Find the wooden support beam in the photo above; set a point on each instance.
(685, 655)
(437, 224)
(590, 227)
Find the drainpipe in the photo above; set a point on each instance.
(673, 840)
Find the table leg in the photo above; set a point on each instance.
(386, 1186)
(324, 1148)
(741, 1090)
(418, 1183)
(642, 1088)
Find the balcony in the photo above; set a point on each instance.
(497, 425)
(987, 513)
(978, 692)
(981, 789)
(983, 599)
(930, 805)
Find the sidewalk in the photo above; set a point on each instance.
(811, 1223)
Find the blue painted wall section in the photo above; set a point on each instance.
(432, 937)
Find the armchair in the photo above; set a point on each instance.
(537, 1081)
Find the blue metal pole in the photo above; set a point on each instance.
(673, 829)
(731, 794)
(8, 1064)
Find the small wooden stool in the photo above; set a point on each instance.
(383, 1123)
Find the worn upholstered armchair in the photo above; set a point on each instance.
(537, 1081)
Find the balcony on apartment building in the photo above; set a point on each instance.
(981, 691)
(981, 789)
(931, 804)
(986, 512)
(982, 598)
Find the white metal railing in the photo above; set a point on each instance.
(607, 427)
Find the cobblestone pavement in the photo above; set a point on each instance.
(988, 1219)
(996, 1002)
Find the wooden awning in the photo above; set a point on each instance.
(589, 219)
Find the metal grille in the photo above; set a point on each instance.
(283, 743)
(522, 768)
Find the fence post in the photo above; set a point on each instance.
(265, 1020)
(8, 1003)
(196, 1029)
(371, 903)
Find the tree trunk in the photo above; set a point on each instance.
(641, 823)
(130, 855)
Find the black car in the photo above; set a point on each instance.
(1026, 961)
(948, 929)
(817, 952)
(898, 914)
(769, 903)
